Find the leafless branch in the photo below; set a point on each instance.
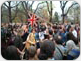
(47, 6)
(61, 4)
(15, 5)
(5, 5)
(70, 7)
(38, 6)
(31, 4)
(16, 11)
(64, 4)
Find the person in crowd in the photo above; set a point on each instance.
(36, 25)
(46, 31)
(48, 26)
(41, 35)
(37, 36)
(30, 39)
(68, 28)
(51, 35)
(3, 46)
(55, 30)
(37, 40)
(59, 49)
(77, 27)
(79, 42)
(12, 53)
(70, 36)
(42, 41)
(30, 28)
(18, 42)
(73, 51)
(63, 35)
(46, 37)
(73, 30)
(32, 53)
(25, 33)
(47, 50)
(25, 56)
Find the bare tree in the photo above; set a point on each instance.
(27, 7)
(38, 6)
(63, 5)
(50, 9)
(9, 7)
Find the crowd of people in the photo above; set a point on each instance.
(43, 41)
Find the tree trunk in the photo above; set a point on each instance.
(9, 9)
(10, 15)
(26, 15)
(1, 14)
(50, 19)
(63, 16)
(63, 19)
(51, 11)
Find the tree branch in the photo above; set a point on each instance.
(5, 5)
(30, 7)
(70, 7)
(15, 13)
(31, 4)
(48, 7)
(38, 6)
(23, 6)
(64, 4)
(26, 4)
(15, 5)
(61, 4)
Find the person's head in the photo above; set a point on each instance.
(50, 32)
(62, 30)
(33, 30)
(19, 32)
(24, 27)
(58, 39)
(12, 53)
(54, 26)
(77, 25)
(42, 23)
(32, 52)
(46, 36)
(8, 33)
(69, 27)
(18, 42)
(47, 50)
(49, 25)
(72, 27)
